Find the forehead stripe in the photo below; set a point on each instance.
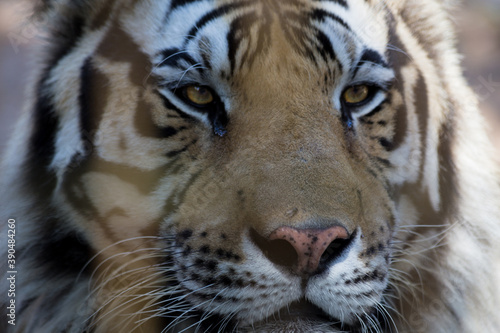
(210, 16)
(178, 3)
(173, 56)
(370, 57)
(322, 15)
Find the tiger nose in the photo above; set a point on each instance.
(313, 246)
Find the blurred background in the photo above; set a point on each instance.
(477, 22)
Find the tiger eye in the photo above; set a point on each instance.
(198, 95)
(356, 94)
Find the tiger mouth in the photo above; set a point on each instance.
(299, 317)
(302, 314)
(301, 309)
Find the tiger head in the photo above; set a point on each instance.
(243, 165)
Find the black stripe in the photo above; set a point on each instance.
(210, 16)
(370, 56)
(45, 120)
(374, 57)
(84, 98)
(398, 59)
(205, 56)
(177, 197)
(168, 131)
(172, 57)
(146, 127)
(304, 42)
(59, 252)
(65, 39)
(233, 43)
(343, 3)
(180, 196)
(174, 153)
(43, 139)
(384, 142)
(178, 3)
(385, 162)
(263, 39)
(321, 14)
(239, 27)
(376, 110)
(93, 97)
(170, 106)
(326, 46)
(299, 40)
(293, 25)
(373, 173)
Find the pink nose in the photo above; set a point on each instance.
(310, 244)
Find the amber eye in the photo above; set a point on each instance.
(199, 96)
(356, 94)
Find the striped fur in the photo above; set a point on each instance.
(138, 211)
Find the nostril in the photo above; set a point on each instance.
(335, 250)
(278, 251)
(281, 253)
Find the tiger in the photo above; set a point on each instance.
(250, 166)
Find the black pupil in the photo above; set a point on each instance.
(201, 90)
(359, 91)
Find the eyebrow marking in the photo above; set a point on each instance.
(370, 56)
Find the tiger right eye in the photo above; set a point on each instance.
(198, 95)
(356, 94)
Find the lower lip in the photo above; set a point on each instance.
(299, 316)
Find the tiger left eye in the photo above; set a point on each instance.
(356, 94)
(198, 95)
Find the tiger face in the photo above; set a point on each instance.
(268, 184)
(242, 165)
